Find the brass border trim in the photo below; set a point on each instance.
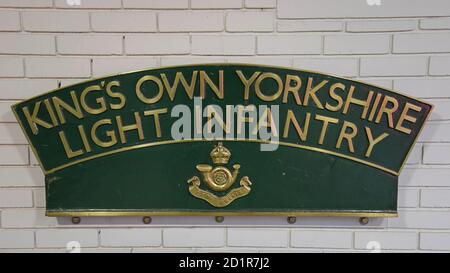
(215, 213)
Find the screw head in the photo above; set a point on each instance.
(364, 220)
(219, 219)
(291, 219)
(76, 220)
(146, 220)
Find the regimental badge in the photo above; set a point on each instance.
(219, 179)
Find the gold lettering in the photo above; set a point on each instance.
(266, 121)
(373, 141)
(388, 111)
(116, 95)
(302, 133)
(86, 145)
(258, 86)
(288, 88)
(155, 113)
(325, 122)
(100, 101)
(142, 97)
(311, 92)
(33, 120)
(404, 116)
(364, 103)
(347, 136)
(247, 83)
(124, 128)
(69, 152)
(336, 97)
(219, 91)
(75, 110)
(189, 88)
(112, 136)
(374, 107)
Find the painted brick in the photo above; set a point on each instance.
(357, 44)
(435, 198)
(11, 133)
(11, 67)
(108, 66)
(421, 177)
(166, 61)
(385, 83)
(16, 239)
(421, 43)
(435, 23)
(381, 25)
(436, 154)
(56, 21)
(223, 45)
(321, 239)
(26, 3)
(6, 115)
(35, 44)
(360, 9)
(136, 237)
(424, 88)
(309, 25)
(336, 66)
(25, 88)
(179, 21)
(260, 3)
(33, 159)
(240, 21)
(156, 4)
(441, 110)
(421, 219)
(156, 44)
(435, 132)
(89, 4)
(21, 177)
(415, 156)
(289, 44)
(440, 65)
(216, 4)
(394, 66)
(400, 240)
(16, 198)
(46, 67)
(277, 61)
(408, 198)
(9, 21)
(89, 44)
(27, 218)
(435, 240)
(257, 237)
(13, 155)
(60, 238)
(123, 21)
(39, 198)
(190, 237)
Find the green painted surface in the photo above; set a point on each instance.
(155, 178)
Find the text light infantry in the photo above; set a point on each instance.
(302, 93)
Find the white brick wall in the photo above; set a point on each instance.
(401, 44)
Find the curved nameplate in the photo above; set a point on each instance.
(309, 142)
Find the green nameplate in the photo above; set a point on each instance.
(222, 139)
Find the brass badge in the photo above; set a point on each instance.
(219, 179)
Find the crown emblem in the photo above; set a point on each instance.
(219, 179)
(220, 154)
